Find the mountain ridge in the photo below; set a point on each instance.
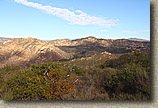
(34, 51)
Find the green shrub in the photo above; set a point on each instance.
(137, 58)
(64, 60)
(25, 85)
(77, 70)
(133, 79)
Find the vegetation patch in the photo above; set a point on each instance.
(126, 77)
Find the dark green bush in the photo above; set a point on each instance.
(77, 70)
(133, 79)
(64, 60)
(137, 58)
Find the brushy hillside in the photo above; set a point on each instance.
(124, 77)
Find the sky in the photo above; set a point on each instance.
(72, 19)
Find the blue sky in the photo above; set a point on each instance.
(71, 19)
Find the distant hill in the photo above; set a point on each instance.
(2, 39)
(27, 51)
(136, 39)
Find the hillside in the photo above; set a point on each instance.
(125, 77)
(27, 51)
(19, 50)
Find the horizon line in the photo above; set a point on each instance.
(76, 38)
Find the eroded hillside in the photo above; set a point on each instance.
(20, 50)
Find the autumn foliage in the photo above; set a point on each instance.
(31, 84)
(60, 83)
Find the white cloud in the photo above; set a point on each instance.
(142, 33)
(76, 17)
